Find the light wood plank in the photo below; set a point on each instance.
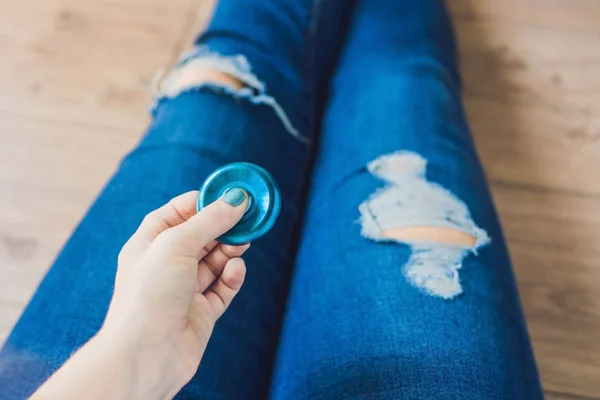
(554, 240)
(550, 395)
(561, 15)
(532, 89)
(85, 61)
(51, 175)
(552, 219)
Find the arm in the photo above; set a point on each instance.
(173, 282)
(113, 366)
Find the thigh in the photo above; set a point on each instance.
(403, 287)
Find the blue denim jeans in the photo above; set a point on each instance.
(355, 109)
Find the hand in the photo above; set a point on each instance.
(173, 282)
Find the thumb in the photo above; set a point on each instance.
(211, 222)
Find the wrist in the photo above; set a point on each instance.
(115, 365)
(149, 363)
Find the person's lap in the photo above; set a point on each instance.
(359, 323)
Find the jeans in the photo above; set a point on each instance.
(355, 109)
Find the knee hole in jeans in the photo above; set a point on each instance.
(431, 220)
(193, 76)
(203, 70)
(431, 234)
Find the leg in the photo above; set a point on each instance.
(403, 288)
(238, 96)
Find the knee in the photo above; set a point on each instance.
(230, 75)
(434, 222)
(200, 68)
(193, 76)
(429, 234)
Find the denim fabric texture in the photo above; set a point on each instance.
(326, 312)
(354, 328)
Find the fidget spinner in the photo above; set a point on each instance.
(264, 199)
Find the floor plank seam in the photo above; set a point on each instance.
(532, 187)
(570, 396)
(60, 123)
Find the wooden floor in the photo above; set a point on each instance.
(74, 76)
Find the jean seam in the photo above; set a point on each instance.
(312, 33)
(309, 91)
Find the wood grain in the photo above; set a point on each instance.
(550, 395)
(74, 78)
(553, 242)
(85, 61)
(532, 89)
(55, 170)
(531, 94)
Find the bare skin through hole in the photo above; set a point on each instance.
(429, 234)
(189, 77)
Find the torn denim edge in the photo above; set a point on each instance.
(435, 270)
(409, 199)
(371, 228)
(407, 169)
(237, 66)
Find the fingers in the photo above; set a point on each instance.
(175, 212)
(211, 266)
(189, 238)
(222, 292)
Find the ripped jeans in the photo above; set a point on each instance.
(386, 276)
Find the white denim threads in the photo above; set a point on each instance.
(169, 86)
(409, 200)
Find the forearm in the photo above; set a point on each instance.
(115, 367)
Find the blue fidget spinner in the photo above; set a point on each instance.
(264, 199)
